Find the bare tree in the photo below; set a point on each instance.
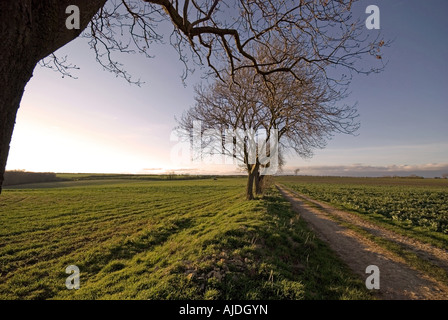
(296, 172)
(210, 32)
(171, 175)
(445, 176)
(303, 113)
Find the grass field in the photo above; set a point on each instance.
(186, 239)
(418, 207)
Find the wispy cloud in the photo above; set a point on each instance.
(359, 169)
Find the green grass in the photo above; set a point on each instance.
(163, 240)
(425, 266)
(388, 202)
(421, 203)
(413, 207)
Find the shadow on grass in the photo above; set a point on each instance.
(278, 258)
(128, 248)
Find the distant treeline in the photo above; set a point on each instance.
(22, 177)
(167, 176)
(412, 176)
(18, 177)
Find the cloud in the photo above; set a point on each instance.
(358, 169)
(184, 170)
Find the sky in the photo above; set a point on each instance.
(100, 123)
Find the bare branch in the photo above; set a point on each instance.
(226, 37)
(58, 65)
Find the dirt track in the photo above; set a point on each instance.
(398, 280)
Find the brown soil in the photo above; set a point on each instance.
(398, 280)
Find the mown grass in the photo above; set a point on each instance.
(163, 240)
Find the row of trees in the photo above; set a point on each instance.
(16, 177)
(295, 37)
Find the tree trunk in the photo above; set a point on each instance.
(10, 97)
(259, 183)
(30, 31)
(252, 171)
(250, 186)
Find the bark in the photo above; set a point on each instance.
(10, 97)
(259, 183)
(250, 186)
(30, 31)
(252, 171)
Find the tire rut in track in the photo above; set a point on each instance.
(398, 280)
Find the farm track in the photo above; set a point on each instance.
(398, 280)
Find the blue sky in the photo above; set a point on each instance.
(100, 123)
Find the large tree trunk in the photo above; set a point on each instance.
(30, 31)
(10, 96)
